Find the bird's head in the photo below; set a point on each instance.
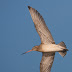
(35, 48)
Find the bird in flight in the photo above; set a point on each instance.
(47, 46)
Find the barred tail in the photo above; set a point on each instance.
(64, 52)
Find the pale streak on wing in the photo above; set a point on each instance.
(42, 29)
(46, 38)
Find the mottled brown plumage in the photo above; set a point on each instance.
(47, 46)
(46, 38)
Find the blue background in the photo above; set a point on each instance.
(18, 35)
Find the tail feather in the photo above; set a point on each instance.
(62, 44)
(64, 52)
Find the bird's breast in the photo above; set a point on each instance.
(49, 48)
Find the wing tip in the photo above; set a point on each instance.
(29, 7)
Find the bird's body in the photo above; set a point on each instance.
(47, 46)
(50, 48)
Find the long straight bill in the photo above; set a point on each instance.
(26, 52)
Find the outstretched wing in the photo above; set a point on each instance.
(42, 29)
(46, 38)
(46, 62)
